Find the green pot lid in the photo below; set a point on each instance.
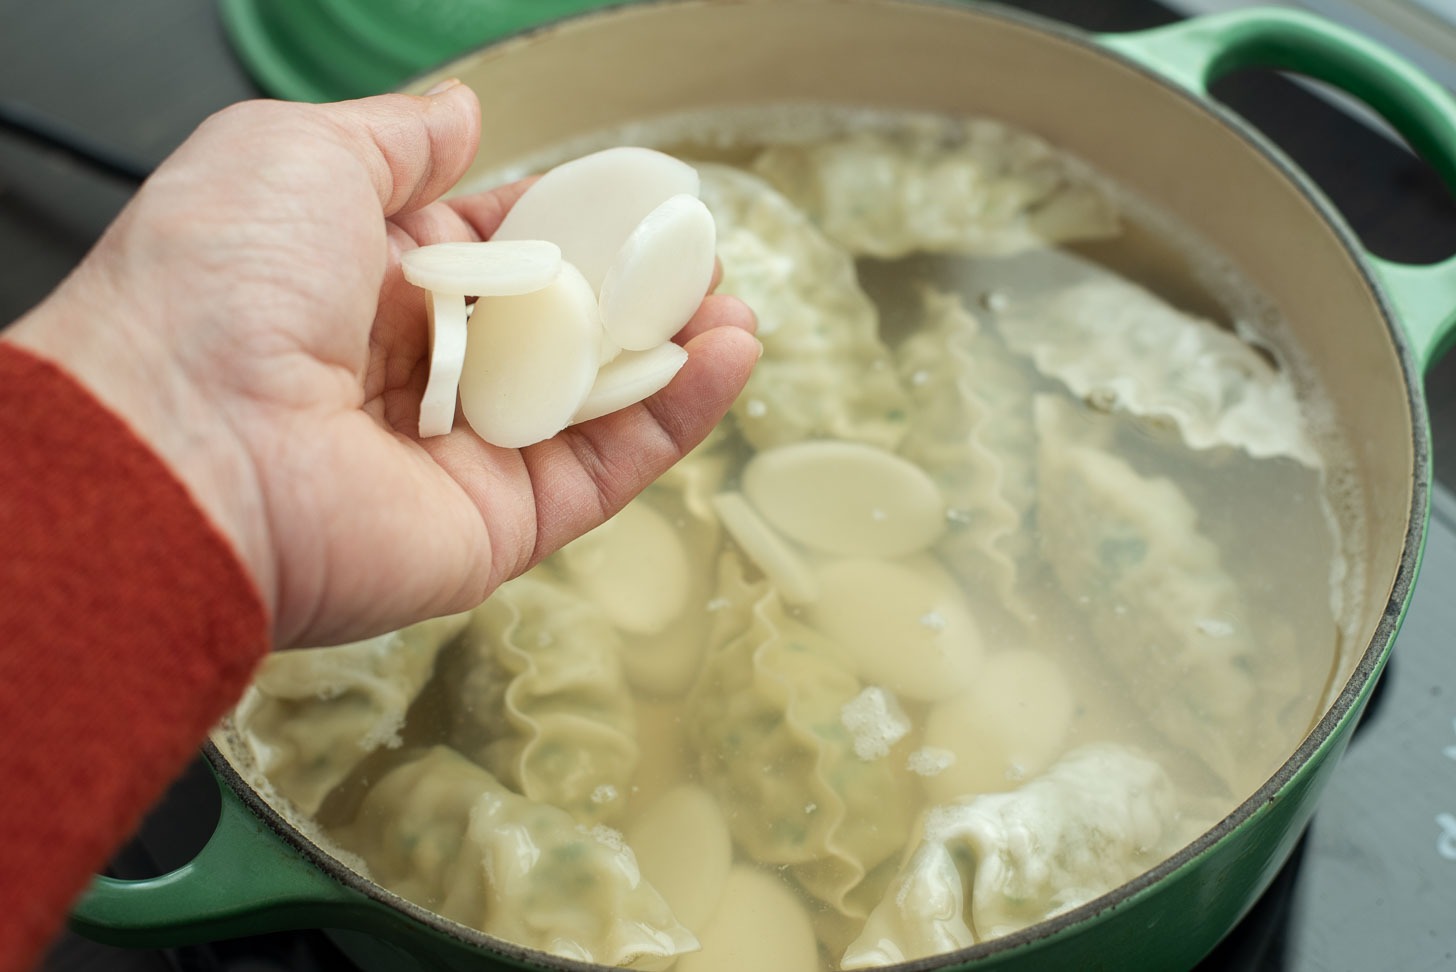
(326, 50)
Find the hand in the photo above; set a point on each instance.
(246, 315)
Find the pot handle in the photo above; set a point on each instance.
(246, 881)
(1197, 52)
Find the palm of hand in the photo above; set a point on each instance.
(302, 357)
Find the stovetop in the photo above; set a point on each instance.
(1373, 884)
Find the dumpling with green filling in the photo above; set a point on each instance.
(540, 699)
(824, 372)
(444, 833)
(312, 715)
(1165, 614)
(991, 864)
(767, 722)
(979, 188)
(971, 430)
(1122, 349)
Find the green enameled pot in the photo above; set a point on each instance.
(1135, 106)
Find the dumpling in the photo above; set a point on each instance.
(541, 701)
(971, 430)
(766, 720)
(311, 716)
(824, 371)
(981, 189)
(1119, 348)
(445, 834)
(1164, 612)
(1098, 817)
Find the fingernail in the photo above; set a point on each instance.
(760, 346)
(442, 87)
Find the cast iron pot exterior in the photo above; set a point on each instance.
(1136, 107)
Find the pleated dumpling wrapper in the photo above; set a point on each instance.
(313, 715)
(607, 252)
(991, 864)
(448, 835)
(993, 190)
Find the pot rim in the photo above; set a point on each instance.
(1344, 706)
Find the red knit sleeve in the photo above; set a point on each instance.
(127, 627)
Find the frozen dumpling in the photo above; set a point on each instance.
(971, 430)
(979, 189)
(990, 865)
(541, 701)
(313, 715)
(1122, 349)
(444, 833)
(1166, 615)
(824, 371)
(766, 722)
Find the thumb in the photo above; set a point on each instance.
(414, 148)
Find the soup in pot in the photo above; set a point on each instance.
(1015, 567)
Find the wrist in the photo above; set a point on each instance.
(83, 329)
